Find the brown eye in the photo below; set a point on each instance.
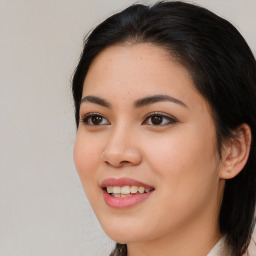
(95, 120)
(159, 120)
(156, 120)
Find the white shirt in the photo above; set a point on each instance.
(221, 249)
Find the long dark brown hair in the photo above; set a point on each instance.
(224, 71)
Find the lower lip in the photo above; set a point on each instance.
(124, 202)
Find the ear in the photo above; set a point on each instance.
(236, 152)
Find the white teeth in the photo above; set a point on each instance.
(134, 189)
(116, 190)
(121, 195)
(110, 189)
(126, 190)
(116, 195)
(125, 195)
(141, 190)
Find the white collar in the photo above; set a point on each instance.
(220, 248)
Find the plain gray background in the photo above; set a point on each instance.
(43, 210)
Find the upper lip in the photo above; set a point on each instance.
(120, 182)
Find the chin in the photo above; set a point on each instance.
(123, 235)
(130, 233)
(120, 235)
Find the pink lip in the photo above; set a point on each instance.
(125, 202)
(123, 182)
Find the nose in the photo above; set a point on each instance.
(121, 150)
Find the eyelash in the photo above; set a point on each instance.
(87, 119)
(170, 119)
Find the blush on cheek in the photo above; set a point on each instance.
(85, 166)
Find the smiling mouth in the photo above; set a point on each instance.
(126, 191)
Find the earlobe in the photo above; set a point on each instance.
(236, 152)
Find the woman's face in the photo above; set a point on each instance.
(146, 132)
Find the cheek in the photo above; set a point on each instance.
(86, 158)
(185, 167)
(185, 163)
(178, 153)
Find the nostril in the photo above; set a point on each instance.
(124, 162)
(118, 164)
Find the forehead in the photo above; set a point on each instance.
(139, 70)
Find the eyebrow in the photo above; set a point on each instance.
(96, 100)
(157, 98)
(138, 103)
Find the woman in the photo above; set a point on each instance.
(165, 148)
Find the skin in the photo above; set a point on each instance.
(179, 159)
